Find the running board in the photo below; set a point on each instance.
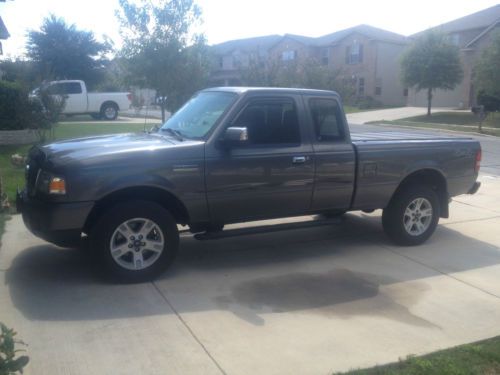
(206, 236)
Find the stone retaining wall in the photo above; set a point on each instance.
(17, 137)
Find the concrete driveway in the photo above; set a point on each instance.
(308, 301)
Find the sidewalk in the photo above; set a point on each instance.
(391, 114)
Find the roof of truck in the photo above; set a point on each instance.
(241, 90)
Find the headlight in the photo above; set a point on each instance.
(49, 184)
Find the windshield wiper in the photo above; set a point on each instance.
(177, 134)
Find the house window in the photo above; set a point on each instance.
(288, 55)
(405, 92)
(361, 86)
(454, 39)
(324, 56)
(354, 53)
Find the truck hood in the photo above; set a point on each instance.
(122, 148)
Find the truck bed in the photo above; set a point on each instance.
(391, 136)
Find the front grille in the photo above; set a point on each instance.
(33, 165)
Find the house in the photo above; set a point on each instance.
(4, 34)
(472, 34)
(366, 56)
(233, 55)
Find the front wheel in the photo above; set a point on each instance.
(135, 241)
(412, 215)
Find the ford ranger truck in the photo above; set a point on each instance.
(234, 155)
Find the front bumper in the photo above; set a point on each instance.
(59, 223)
(474, 188)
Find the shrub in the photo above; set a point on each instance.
(9, 364)
(15, 109)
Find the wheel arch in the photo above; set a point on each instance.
(109, 102)
(431, 177)
(163, 197)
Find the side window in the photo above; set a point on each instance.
(56, 89)
(270, 122)
(73, 88)
(327, 119)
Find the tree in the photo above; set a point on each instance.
(306, 74)
(487, 75)
(61, 51)
(431, 63)
(160, 50)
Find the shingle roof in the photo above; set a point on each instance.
(4, 34)
(369, 31)
(261, 42)
(478, 20)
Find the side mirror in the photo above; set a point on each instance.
(235, 136)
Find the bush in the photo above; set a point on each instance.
(18, 111)
(15, 109)
(9, 364)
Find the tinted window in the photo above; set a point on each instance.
(270, 122)
(72, 88)
(327, 120)
(65, 88)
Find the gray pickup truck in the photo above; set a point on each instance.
(235, 155)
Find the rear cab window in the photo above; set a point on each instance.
(327, 120)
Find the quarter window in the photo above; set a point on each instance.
(327, 119)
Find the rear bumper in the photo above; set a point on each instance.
(474, 188)
(59, 223)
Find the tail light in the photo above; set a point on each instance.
(477, 166)
(129, 97)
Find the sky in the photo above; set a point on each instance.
(234, 19)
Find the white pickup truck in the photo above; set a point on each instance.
(100, 105)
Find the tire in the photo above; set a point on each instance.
(128, 251)
(95, 116)
(412, 215)
(109, 111)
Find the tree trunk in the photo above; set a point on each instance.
(429, 101)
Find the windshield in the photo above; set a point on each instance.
(199, 114)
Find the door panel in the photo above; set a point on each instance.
(269, 177)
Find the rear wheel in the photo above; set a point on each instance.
(412, 215)
(135, 241)
(109, 111)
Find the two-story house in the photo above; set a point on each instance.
(366, 56)
(472, 34)
(231, 56)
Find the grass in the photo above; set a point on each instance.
(478, 358)
(456, 121)
(13, 177)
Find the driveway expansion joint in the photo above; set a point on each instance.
(191, 332)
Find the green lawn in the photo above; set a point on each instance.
(456, 121)
(479, 358)
(14, 176)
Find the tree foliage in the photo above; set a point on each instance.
(160, 50)
(431, 63)
(487, 75)
(61, 51)
(305, 74)
(10, 362)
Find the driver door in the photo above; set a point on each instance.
(272, 175)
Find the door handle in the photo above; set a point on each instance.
(299, 159)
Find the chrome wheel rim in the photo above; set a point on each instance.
(137, 244)
(109, 112)
(417, 217)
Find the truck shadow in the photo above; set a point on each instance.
(340, 271)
